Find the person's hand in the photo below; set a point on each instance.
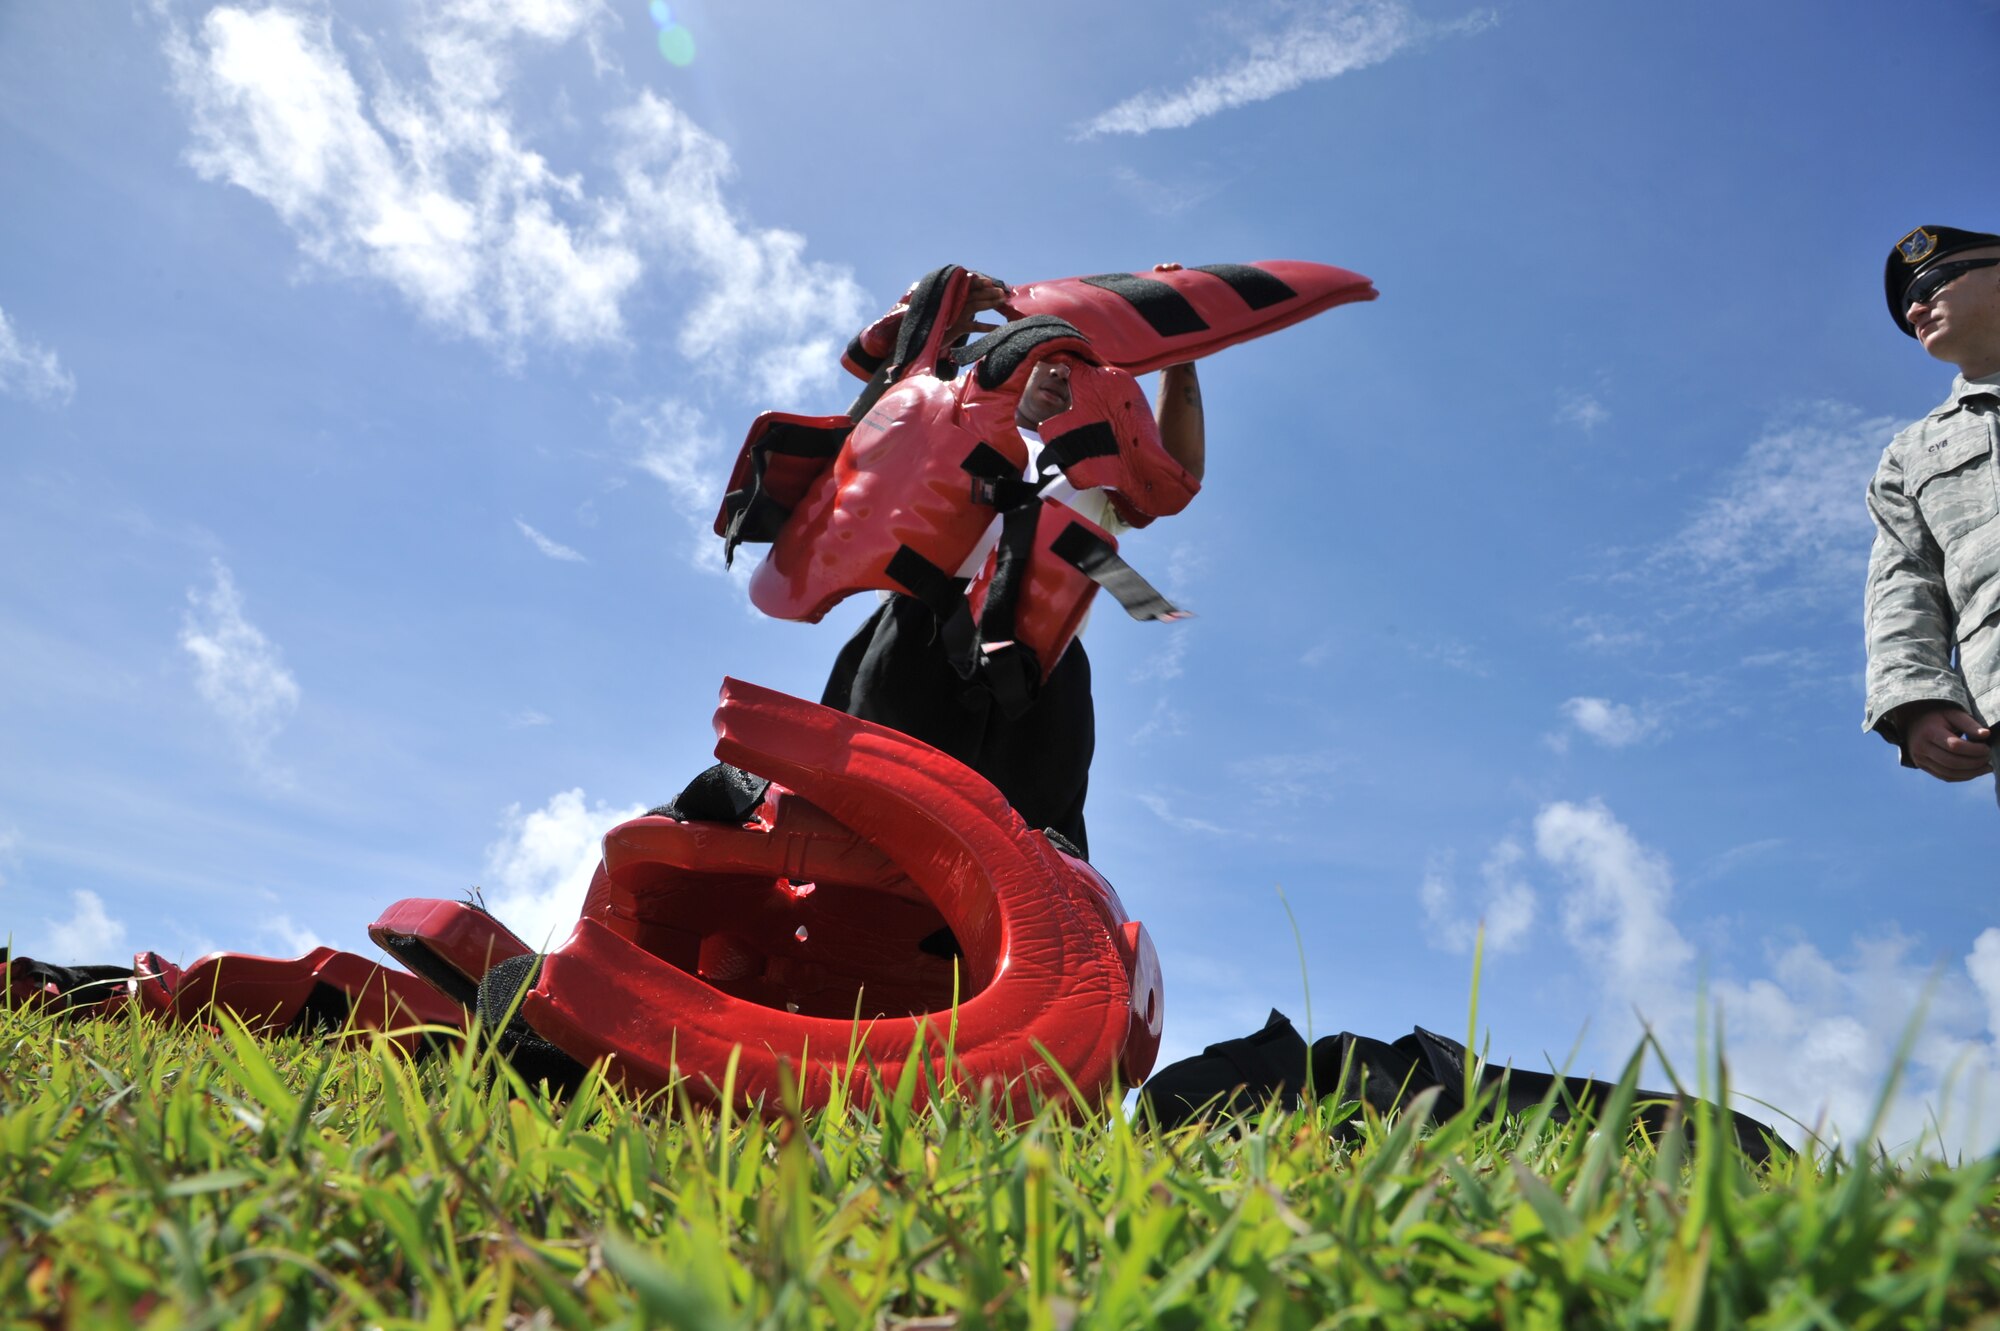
(1950, 744)
(985, 293)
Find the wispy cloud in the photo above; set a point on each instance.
(240, 673)
(1316, 41)
(1507, 910)
(1615, 725)
(429, 185)
(30, 371)
(1161, 198)
(1788, 519)
(88, 937)
(428, 188)
(539, 870)
(293, 940)
(1582, 410)
(767, 314)
(527, 718)
(1284, 780)
(1163, 809)
(1814, 1035)
(553, 549)
(678, 448)
(1169, 658)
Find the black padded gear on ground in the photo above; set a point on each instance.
(535, 1058)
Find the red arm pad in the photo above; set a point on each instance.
(873, 344)
(1109, 438)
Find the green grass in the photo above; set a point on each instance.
(152, 1176)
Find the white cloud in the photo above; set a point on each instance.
(1612, 724)
(1158, 197)
(1166, 720)
(427, 184)
(1815, 1037)
(1285, 780)
(1508, 911)
(1583, 411)
(88, 937)
(1791, 511)
(240, 672)
(1167, 660)
(30, 371)
(1164, 811)
(428, 189)
(553, 549)
(527, 718)
(768, 315)
(539, 870)
(1321, 41)
(678, 448)
(295, 939)
(1617, 906)
(1983, 965)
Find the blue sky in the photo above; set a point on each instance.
(368, 373)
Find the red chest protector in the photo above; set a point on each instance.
(899, 501)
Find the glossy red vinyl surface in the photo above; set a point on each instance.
(898, 481)
(464, 938)
(1123, 337)
(1048, 963)
(1145, 480)
(267, 993)
(1056, 595)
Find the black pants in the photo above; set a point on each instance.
(893, 672)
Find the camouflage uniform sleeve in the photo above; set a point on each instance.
(1909, 619)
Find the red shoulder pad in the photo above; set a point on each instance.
(1146, 321)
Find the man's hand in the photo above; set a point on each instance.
(1949, 744)
(984, 294)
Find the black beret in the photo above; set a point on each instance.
(1923, 248)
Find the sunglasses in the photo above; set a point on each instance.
(1924, 287)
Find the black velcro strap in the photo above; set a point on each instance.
(920, 315)
(1094, 557)
(1012, 556)
(944, 594)
(1094, 440)
(997, 482)
(857, 355)
(1166, 309)
(989, 463)
(1001, 351)
(1258, 288)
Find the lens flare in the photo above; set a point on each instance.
(676, 42)
(677, 45)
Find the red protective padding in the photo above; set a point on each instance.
(787, 477)
(1048, 963)
(899, 480)
(1123, 337)
(1056, 595)
(1144, 480)
(268, 992)
(456, 935)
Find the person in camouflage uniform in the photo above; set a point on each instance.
(1933, 603)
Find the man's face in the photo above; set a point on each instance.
(1046, 395)
(1960, 323)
